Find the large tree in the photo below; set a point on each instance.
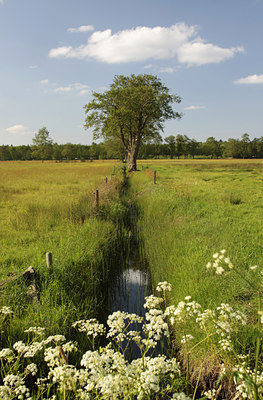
(133, 110)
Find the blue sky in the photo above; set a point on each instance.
(54, 53)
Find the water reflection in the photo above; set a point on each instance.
(127, 293)
(129, 289)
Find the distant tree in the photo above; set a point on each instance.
(245, 146)
(170, 140)
(192, 147)
(57, 152)
(181, 142)
(232, 148)
(5, 153)
(213, 147)
(133, 110)
(69, 151)
(42, 145)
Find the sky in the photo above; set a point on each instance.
(55, 53)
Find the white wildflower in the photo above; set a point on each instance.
(186, 338)
(33, 349)
(163, 286)
(180, 396)
(219, 270)
(210, 394)
(254, 267)
(52, 356)
(7, 354)
(32, 369)
(35, 329)
(90, 326)
(20, 347)
(13, 380)
(152, 301)
(65, 376)
(55, 338)
(6, 310)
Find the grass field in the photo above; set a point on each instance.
(49, 207)
(199, 214)
(196, 209)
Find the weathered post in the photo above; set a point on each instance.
(49, 261)
(106, 180)
(97, 200)
(154, 177)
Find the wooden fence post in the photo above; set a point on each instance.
(106, 180)
(97, 200)
(49, 261)
(154, 177)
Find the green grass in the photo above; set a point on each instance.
(49, 207)
(195, 210)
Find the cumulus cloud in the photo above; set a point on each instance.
(18, 130)
(82, 28)
(32, 66)
(75, 88)
(63, 51)
(250, 80)
(44, 81)
(167, 70)
(142, 43)
(195, 108)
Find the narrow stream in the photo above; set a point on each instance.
(131, 283)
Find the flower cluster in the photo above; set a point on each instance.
(219, 263)
(106, 373)
(90, 326)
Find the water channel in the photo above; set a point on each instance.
(131, 282)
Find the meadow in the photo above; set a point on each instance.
(199, 229)
(49, 207)
(196, 210)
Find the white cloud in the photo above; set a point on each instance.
(200, 53)
(195, 108)
(167, 70)
(77, 88)
(82, 28)
(44, 81)
(1, 1)
(63, 51)
(148, 66)
(18, 130)
(250, 80)
(143, 43)
(32, 66)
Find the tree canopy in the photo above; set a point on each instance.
(133, 110)
(42, 144)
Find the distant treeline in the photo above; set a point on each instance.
(172, 147)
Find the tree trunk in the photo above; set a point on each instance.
(131, 160)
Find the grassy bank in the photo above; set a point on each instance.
(49, 207)
(196, 209)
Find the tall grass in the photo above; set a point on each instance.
(196, 209)
(49, 207)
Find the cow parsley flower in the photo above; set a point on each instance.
(6, 310)
(163, 286)
(7, 354)
(35, 329)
